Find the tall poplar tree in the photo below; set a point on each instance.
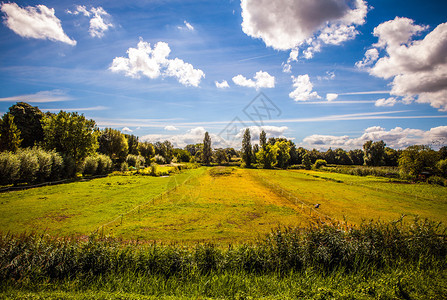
(206, 150)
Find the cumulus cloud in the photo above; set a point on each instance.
(170, 128)
(331, 96)
(222, 85)
(100, 20)
(126, 130)
(192, 136)
(37, 22)
(396, 138)
(417, 67)
(303, 89)
(289, 24)
(371, 56)
(386, 102)
(261, 80)
(255, 131)
(153, 63)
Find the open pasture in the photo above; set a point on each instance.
(220, 204)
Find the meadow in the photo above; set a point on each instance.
(225, 232)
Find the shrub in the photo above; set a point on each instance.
(57, 166)
(320, 163)
(9, 167)
(154, 168)
(90, 165)
(124, 167)
(29, 165)
(104, 164)
(136, 161)
(44, 160)
(437, 180)
(158, 159)
(441, 167)
(69, 167)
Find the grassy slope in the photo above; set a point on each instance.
(81, 207)
(359, 198)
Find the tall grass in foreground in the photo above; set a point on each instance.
(322, 247)
(384, 260)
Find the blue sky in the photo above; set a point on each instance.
(338, 72)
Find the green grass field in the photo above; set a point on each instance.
(223, 205)
(220, 204)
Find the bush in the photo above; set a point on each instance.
(124, 167)
(320, 163)
(441, 167)
(29, 165)
(158, 159)
(136, 161)
(437, 180)
(45, 161)
(90, 165)
(154, 168)
(69, 167)
(104, 164)
(9, 167)
(57, 166)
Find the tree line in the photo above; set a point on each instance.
(59, 145)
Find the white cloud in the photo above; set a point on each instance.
(371, 56)
(153, 63)
(395, 138)
(222, 85)
(39, 97)
(329, 76)
(286, 68)
(100, 20)
(417, 67)
(289, 24)
(189, 26)
(303, 89)
(170, 128)
(261, 80)
(37, 22)
(386, 102)
(331, 96)
(126, 130)
(255, 131)
(192, 136)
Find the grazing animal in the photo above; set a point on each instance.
(317, 205)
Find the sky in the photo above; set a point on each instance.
(324, 73)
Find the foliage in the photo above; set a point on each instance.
(391, 172)
(70, 134)
(320, 163)
(262, 139)
(159, 159)
(9, 167)
(90, 165)
(114, 144)
(247, 151)
(206, 150)
(307, 162)
(282, 154)
(417, 160)
(374, 153)
(146, 150)
(124, 167)
(136, 161)
(132, 144)
(165, 150)
(441, 167)
(28, 120)
(10, 136)
(220, 156)
(356, 157)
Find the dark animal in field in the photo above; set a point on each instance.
(317, 205)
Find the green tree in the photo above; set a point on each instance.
(207, 153)
(164, 149)
(341, 157)
(391, 157)
(267, 156)
(282, 154)
(373, 153)
(356, 156)
(220, 156)
(417, 160)
(146, 150)
(114, 144)
(247, 151)
(443, 152)
(29, 121)
(262, 139)
(71, 134)
(306, 161)
(132, 144)
(9, 134)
